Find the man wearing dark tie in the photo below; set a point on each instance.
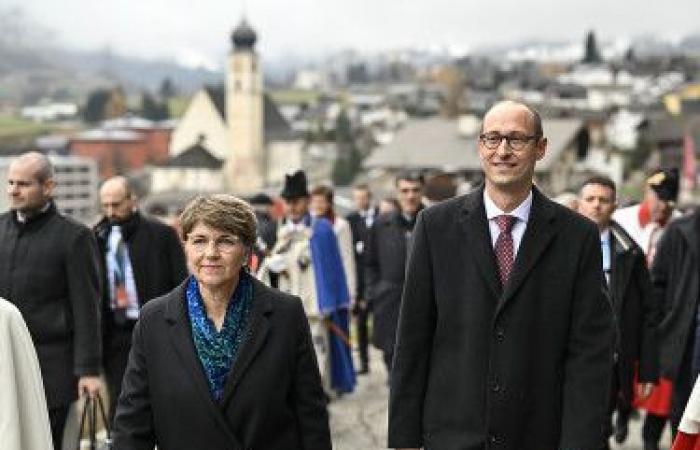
(629, 287)
(361, 220)
(505, 332)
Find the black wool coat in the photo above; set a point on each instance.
(637, 313)
(156, 256)
(523, 367)
(273, 398)
(385, 266)
(674, 276)
(48, 269)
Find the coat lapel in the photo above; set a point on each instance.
(180, 335)
(619, 273)
(478, 243)
(538, 234)
(259, 326)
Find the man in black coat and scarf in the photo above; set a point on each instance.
(48, 269)
(142, 259)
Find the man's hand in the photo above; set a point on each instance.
(644, 390)
(89, 385)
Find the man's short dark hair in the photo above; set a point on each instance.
(413, 176)
(601, 181)
(325, 191)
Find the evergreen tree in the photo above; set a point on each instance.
(592, 55)
(152, 109)
(167, 89)
(349, 160)
(95, 106)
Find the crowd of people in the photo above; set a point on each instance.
(505, 319)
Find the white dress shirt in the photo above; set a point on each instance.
(606, 252)
(115, 236)
(522, 213)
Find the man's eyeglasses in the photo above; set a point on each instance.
(515, 142)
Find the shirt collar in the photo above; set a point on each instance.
(605, 235)
(522, 212)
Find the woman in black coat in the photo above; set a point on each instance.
(221, 362)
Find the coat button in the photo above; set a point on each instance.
(500, 334)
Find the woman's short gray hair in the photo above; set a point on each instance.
(223, 212)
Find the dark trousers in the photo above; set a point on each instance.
(116, 355)
(617, 403)
(683, 385)
(388, 360)
(57, 420)
(361, 319)
(653, 428)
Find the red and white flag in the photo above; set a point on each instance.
(689, 167)
(688, 437)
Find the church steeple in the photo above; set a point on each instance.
(244, 36)
(244, 113)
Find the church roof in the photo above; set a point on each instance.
(196, 157)
(275, 126)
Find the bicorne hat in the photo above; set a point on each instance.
(295, 186)
(665, 183)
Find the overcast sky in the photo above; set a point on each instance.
(192, 31)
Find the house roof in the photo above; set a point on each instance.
(435, 143)
(275, 126)
(196, 157)
(671, 129)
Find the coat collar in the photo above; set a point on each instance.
(473, 219)
(180, 336)
(690, 229)
(538, 235)
(128, 227)
(623, 249)
(36, 221)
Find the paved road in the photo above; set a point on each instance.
(358, 420)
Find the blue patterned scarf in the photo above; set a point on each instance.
(218, 349)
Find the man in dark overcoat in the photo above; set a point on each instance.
(48, 269)
(361, 220)
(675, 273)
(142, 259)
(637, 314)
(505, 332)
(385, 261)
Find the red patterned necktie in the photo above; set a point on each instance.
(505, 250)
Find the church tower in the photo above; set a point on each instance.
(245, 166)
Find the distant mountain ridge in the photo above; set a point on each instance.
(30, 73)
